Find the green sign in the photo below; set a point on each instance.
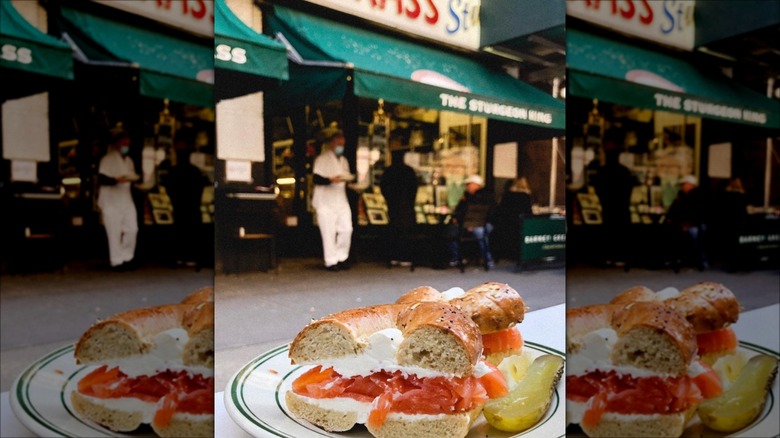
(24, 47)
(625, 74)
(405, 72)
(544, 239)
(238, 47)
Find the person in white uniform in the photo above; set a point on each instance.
(115, 175)
(334, 216)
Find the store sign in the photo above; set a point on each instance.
(708, 109)
(544, 239)
(12, 53)
(668, 22)
(196, 16)
(224, 52)
(493, 109)
(454, 22)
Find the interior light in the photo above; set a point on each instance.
(285, 181)
(71, 181)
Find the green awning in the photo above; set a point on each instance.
(238, 47)
(169, 68)
(620, 73)
(26, 48)
(404, 72)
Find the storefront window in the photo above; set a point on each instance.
(443, 148)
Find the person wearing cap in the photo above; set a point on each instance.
(116, 173)
(687, 217)
(473, 215)
(334, 216)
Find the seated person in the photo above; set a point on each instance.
(473, 216)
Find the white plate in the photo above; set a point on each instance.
(40, 398)
(766, 425)
(254, 398)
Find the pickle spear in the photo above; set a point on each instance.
(738, 406)
(527, 402)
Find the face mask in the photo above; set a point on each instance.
(124, 150)
(339, 150)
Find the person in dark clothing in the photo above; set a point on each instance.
(730, 222)
(184, 184)
(399, 188)
(514, 206)
(473, 215)
(735, 204)
(614, 183)
(687, 217)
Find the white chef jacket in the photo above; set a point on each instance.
(328, 165)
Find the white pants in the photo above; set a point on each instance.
(121, 224)
(335, 223)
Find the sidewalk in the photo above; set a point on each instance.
(594, 285)
(44, 311)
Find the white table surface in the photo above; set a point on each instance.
(758, 326)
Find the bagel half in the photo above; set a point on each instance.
(153, 366)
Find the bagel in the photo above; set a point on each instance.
(495, 307)
(630, 369)
(400, 369)
(706, 305)
(168, 351)
(709, 307)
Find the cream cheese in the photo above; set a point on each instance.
(165, 354)
(147, 409)
(453, 293)
(363, 409)
(379, 355)
(669, 292)
(342, 404)
(594, 354)
(696, 368)
(574, 411)
(127, 404)
(481, 369)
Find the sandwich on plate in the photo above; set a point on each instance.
(151, 366)
(403, 370)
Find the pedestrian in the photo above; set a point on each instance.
(730, 221)
(515, 205)
(116, 174)
(399, 188)
(473, 216)
(184, 185)
(614, 183)
(687, 217)
(334, 216)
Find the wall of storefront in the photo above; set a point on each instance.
(61, 204)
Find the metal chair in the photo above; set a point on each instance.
(476, 216)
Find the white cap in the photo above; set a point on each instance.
(689, 179)
(475, 179)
